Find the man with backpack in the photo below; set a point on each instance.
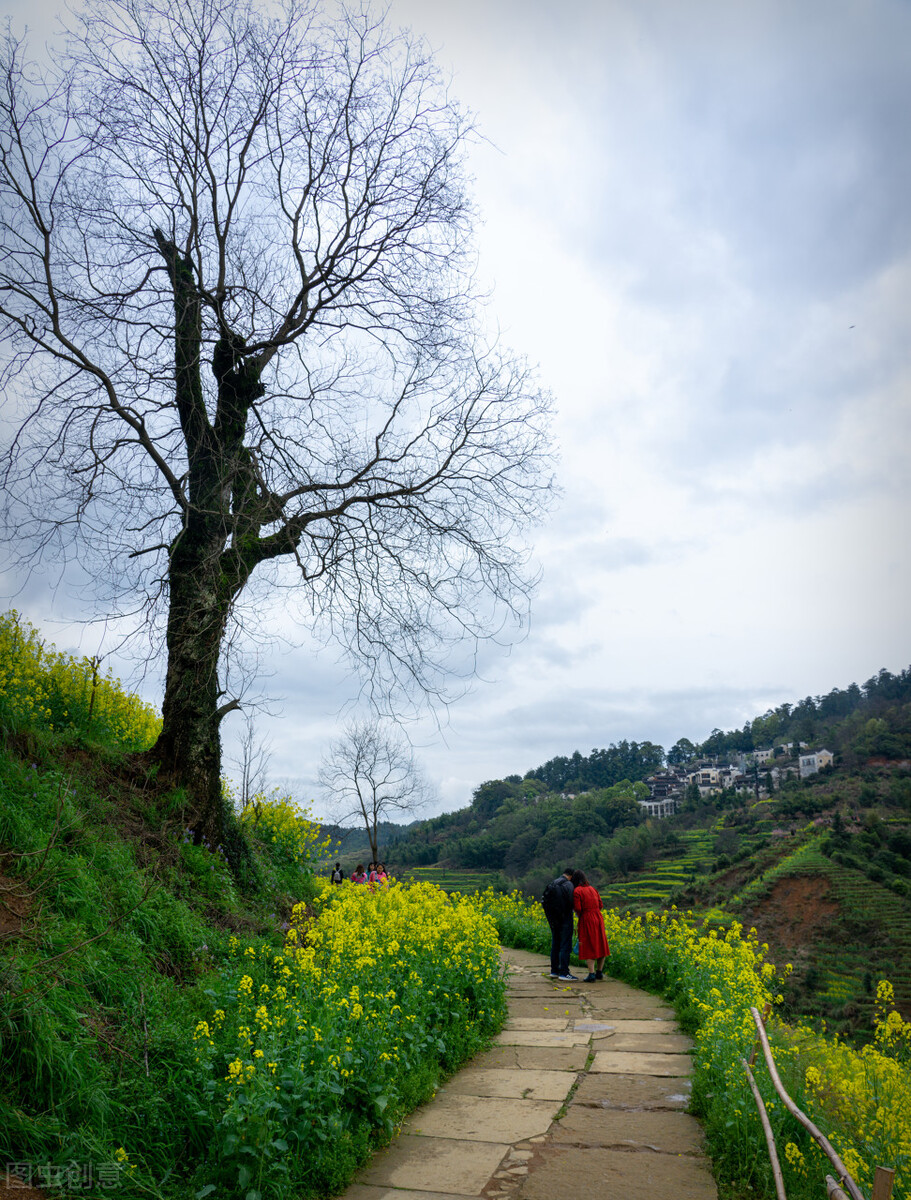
(558, 908)
(338, 875)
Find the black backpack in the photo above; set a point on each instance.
(551, 898)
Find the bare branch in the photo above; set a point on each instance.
(237, 286)
(369, 775)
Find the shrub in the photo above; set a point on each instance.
(280, 823)
(288, 837)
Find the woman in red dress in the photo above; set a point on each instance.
(593, 945)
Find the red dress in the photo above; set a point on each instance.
(592, 938)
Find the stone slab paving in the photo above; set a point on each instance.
(540, 986)
(662, 1132)
(539, 1023)
(639, 1092)
(542, 1037)
(525, 1085)
(652, 1006)
(617, 1175)
(655, 1028)
(538, 1058)
(582, 1095)
(520, 1006)
(623, 1062)
(643, 1043)
(365, 1191)
(500, 1119)
(425, 1164)
(544, 991)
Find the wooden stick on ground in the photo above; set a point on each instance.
(767, 1130)
(818, 1136)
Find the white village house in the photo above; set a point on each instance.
(667, 786)
(811, 764)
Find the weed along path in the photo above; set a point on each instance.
(582, 1096)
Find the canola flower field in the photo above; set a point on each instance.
(43, 689)
(315, 1053)
(286, 827)
(861, 1099)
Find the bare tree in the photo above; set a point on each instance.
(236, 279)
(252, 763)
(370, 775)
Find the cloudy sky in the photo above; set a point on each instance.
(696, 222)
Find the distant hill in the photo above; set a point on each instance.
(856, 722)
(841, 720)
(820, 866)
(351, 842)
(586, 806)
(522, 829)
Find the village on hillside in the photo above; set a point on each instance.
(759, 771)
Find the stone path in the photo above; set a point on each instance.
(582, 1097)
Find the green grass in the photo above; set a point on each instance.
(119, 937)
(101, 972)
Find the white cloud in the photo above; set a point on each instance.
(696, 220)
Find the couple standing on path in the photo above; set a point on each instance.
(571, 892)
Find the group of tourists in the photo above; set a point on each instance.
(571, 893)
(375, 873)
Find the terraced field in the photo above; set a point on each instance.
(654, 887)
(888, 917)
(450, 880)
(843, 931)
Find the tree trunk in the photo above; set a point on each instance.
(188, 749)
(204, 577)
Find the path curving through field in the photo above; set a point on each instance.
(583, 1095)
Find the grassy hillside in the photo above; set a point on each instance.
(170, 1030)
(112, 927)
(829, 892)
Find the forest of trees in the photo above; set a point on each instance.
(841, 720)
(512, 826)
(601, 768)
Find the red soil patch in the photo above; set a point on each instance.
(14, 906)
(12, 1186)
(797, 913)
